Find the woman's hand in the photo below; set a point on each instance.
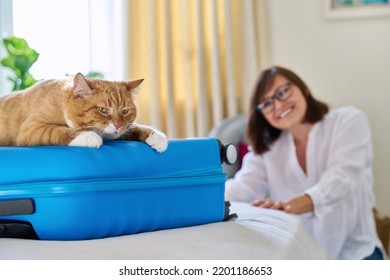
(269, 203)
(298, 205)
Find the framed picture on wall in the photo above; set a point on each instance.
(339, 9)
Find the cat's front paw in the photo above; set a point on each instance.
(158, 141)
(87, 139)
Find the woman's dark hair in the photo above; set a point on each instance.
(260, 133)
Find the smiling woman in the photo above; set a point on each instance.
(269, 117)
(311, 161)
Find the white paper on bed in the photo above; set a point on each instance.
(256, 234)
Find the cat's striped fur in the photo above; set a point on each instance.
(74, 111)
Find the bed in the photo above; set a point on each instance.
(255, 234)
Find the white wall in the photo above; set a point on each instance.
(344, 62)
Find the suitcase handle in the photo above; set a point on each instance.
(12, 207)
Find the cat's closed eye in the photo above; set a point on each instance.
(103, 110)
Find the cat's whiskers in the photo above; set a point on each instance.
(128, 134)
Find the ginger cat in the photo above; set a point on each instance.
(75, 112)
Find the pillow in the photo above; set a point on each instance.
(242, 149)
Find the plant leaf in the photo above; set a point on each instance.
(20, 59)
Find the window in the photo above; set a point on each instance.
(71, 35)
(5, 27)
(58, 31)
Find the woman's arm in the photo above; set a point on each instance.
(348, 165)
(250, 182)
(299, 205)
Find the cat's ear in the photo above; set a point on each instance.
(80, 86)
(132, 85)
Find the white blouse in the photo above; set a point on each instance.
(338, 179)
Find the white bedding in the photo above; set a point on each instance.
(256, 234)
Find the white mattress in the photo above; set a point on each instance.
(256, 234)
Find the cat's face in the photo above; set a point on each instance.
(106, 107)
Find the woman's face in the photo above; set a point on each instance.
(288, 113)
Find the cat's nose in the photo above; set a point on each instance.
(117, 124)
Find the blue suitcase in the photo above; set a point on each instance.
(77, 193)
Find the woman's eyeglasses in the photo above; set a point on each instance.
(282, 94)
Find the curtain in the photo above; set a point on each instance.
(199, 59)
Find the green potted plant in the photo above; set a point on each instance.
(20, 58)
